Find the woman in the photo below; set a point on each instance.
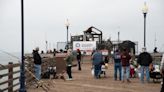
(69, 59)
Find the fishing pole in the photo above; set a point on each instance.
(10, 54)
(2, 66)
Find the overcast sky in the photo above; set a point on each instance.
(45, 20)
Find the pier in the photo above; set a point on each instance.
(83, 81)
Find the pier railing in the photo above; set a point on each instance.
(10, 74)
(7, 77)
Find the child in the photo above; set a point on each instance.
(103, 69)
(132, 72)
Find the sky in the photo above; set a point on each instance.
(45, 20)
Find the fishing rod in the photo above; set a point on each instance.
(10, 54)
(2, 66)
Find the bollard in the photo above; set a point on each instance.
(10, 77)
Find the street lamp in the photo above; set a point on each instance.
(145, 10)
(67, 26)
(22, 66)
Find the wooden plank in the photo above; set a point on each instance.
(4, 82)
(6, 74)
(9, 87)
(7, 66)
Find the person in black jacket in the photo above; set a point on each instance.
(144, 59)
(37, 63)
(79, 59)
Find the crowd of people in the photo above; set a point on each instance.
(123, 68)
(123, 64)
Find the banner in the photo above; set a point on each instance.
(84, 45)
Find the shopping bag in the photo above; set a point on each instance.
(92, 71)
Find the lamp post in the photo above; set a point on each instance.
(145, 10)
(67, 26)
(46, 46)
(22, 67)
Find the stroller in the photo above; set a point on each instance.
(155, 73)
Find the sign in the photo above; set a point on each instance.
(84, 45)
(104, 52)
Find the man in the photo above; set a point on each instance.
(117, 64)
(125, 59)
(144, 59)
(79, 59)
(97, 58)
(162, 72)
(37, 63)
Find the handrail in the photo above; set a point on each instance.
(28, 73)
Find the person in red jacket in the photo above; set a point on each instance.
(125, 59)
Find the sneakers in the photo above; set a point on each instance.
(69, 79)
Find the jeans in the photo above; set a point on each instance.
(117, 67)
(125, 70)
(79, 64)
(97, 70)
(37, 69)
(146, 68)
(69, 72)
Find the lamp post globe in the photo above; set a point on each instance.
(67, 24)
(144, 11)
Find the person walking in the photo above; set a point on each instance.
(162, 72)
(97, 58)
(37, 63)
(117, 64)
(144, 59)
(79, 59)
(125, 59)
(69, 59)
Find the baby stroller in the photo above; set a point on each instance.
(155, 73)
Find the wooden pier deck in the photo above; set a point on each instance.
(83, 81)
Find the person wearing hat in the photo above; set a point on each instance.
(37, 63)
